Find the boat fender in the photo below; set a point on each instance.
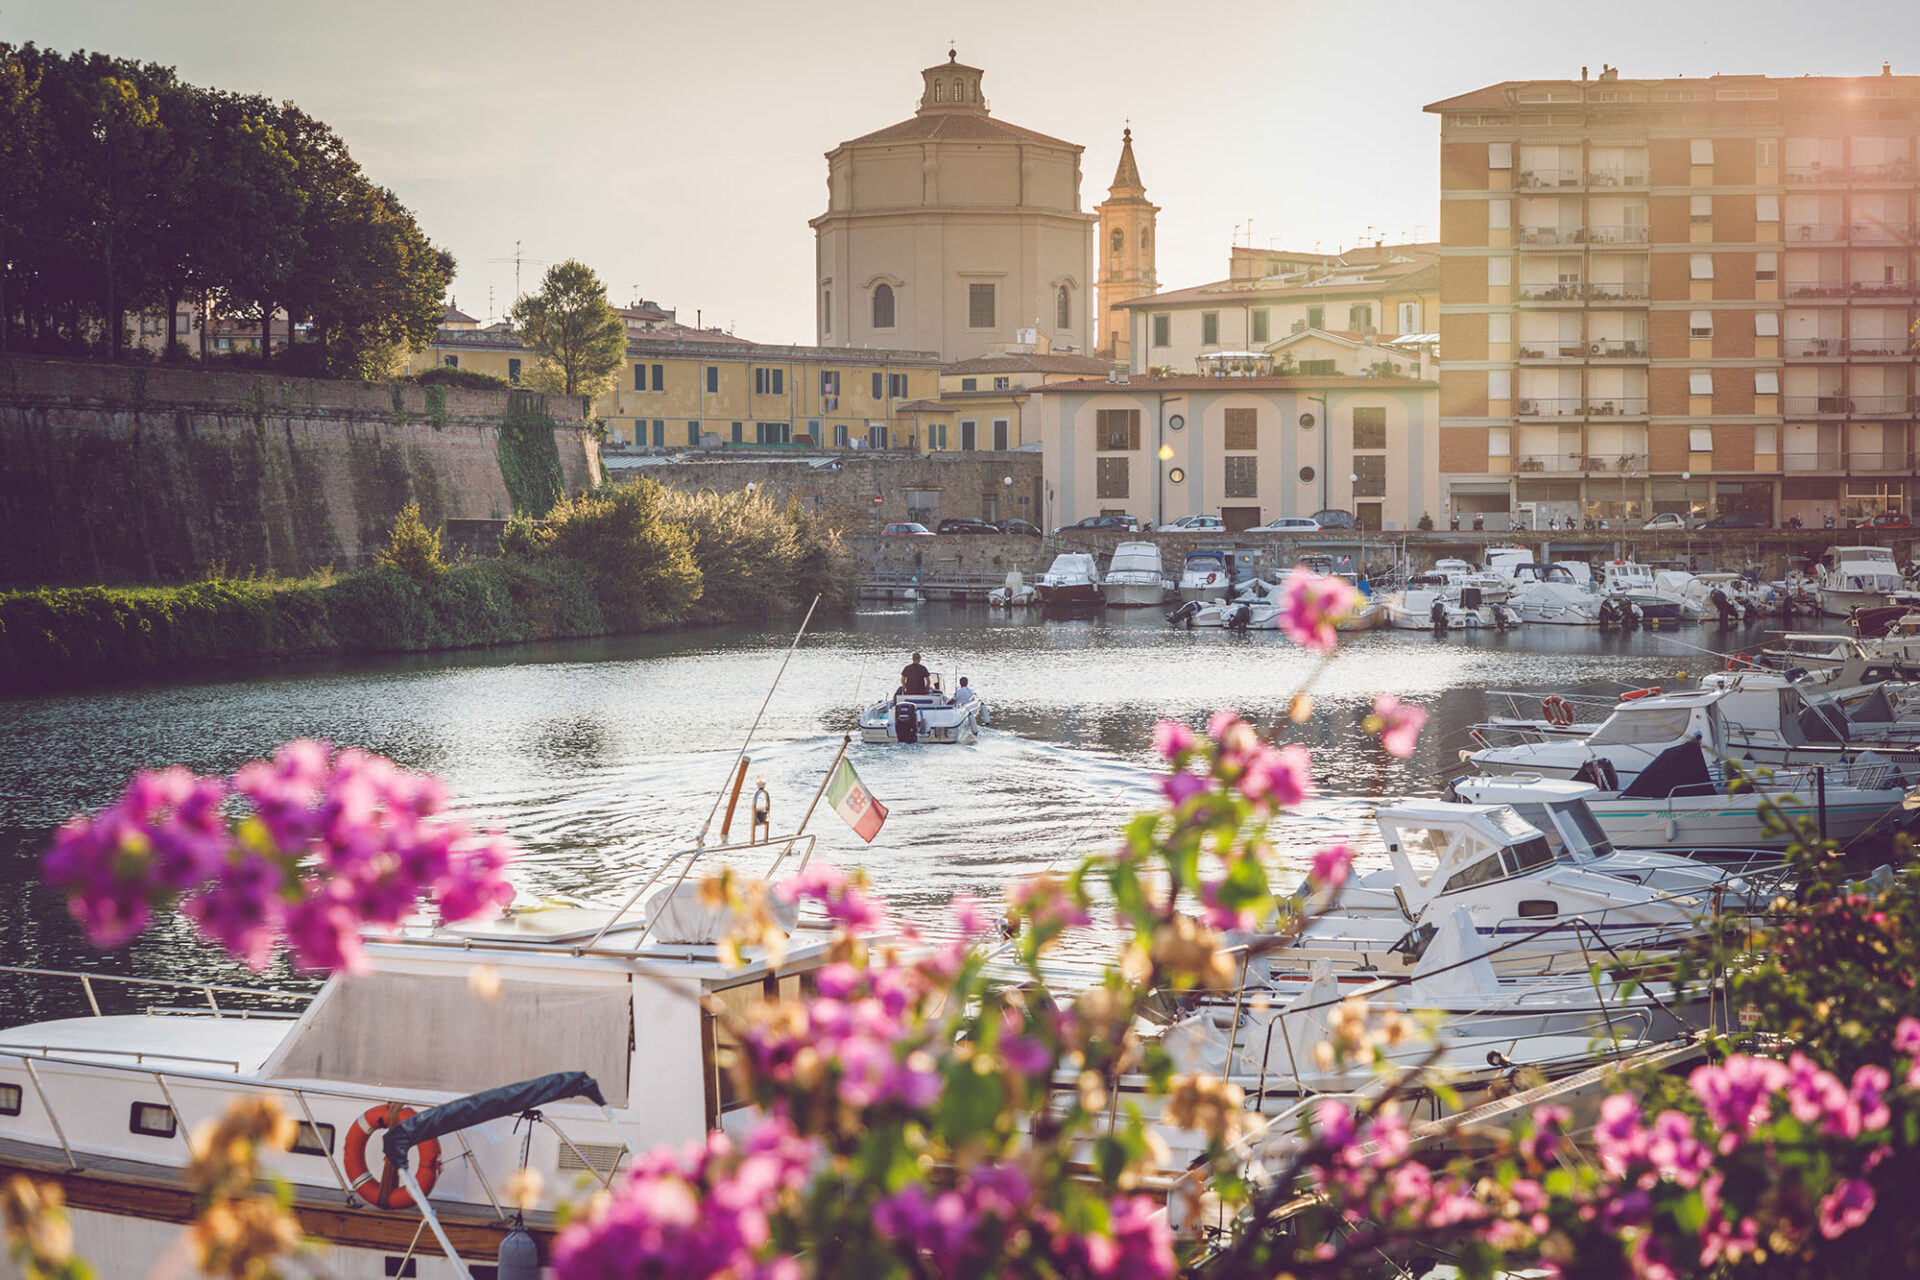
(1739, 662)
(1640, 693)
(519, 1255)
(354, 1158)
(1558, 711)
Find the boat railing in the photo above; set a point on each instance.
(685, 860)
(207, 991)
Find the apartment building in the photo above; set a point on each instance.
(1248, 449)
(1688, 295)
(695, 389)
(985, 402)
(1269, 294)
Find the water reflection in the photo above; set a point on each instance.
(599, 756)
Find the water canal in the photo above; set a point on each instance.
(599, 757)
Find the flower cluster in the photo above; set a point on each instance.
(1397, 723)
(1235, 756)
(310, 846)
(704, 1212)
(1310, 606)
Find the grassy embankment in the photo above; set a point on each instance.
(626, 558)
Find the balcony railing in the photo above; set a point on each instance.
(1535, 178)
(1881, 232)
(1893, 171)
(1552, 292)
(1553, 235)
(1820, 460)
(1616, 177)
(1618, 348)
(1887, 404)
(1625, 237)
(1537, 462)
(1816, 173)
(1835, 460)
(1816, 289)
(1581, 407)
(1817, 404)
(1881, 288)
(1815, 348)
(1623, 463)
(1899, 461)
(1618, 291)
(1803, 232)
(1899, 347)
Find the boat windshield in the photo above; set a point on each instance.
(1205, 562)
(1577, 816)
(1527, 855)
(1643, 725)
(1511, 824)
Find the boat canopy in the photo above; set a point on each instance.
(1205, 562)
(1680, 769)
(491, 1104)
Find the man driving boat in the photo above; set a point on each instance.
(913, 677)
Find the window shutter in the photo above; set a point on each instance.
(1499, 155)
(1500, 214)
(1701, 151)
(1766, 324)
(1702, 266)
(1766, 382)
(1499, 271)
(1766, 208)
(1700, 324)
(1500, 327)
(1700, 382)
(1700, 208)
(1700, 439)
(1499, 384)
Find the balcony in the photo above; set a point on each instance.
(1815, 348)
(1582, 407)
(1807, 405)
(1552, 292)
(1616, 406)
(1565, 407)
(1599, 348)
(1617, 349)
(1534, 464)
(1814, 232)
(1815, 174)
(1534, 179)
(1617, 237)
(1834, 460)
(1619, 291)
(1620, 464)
(1820, 460)
(1896, 233)
(1892, 173)
(1616, 177)
(1881, 289)
(1893, 348)
(1818, 290)
(1537, 236)
(1880, 406)
(1898, 461)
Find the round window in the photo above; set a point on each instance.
(1306, 422)
(1177, 475)
(1306, 475)
(1177, 422)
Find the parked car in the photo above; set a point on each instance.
(966, 524)
(1740, 520)
(1118, 524)
(1667, 521)
(1336, 518)
(907, 527)
(1196, 524)
(1287, 524)
(1023, 527)
(1885, 520)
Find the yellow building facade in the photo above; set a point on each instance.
(718, 393)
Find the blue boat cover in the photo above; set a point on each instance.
(491, 1104)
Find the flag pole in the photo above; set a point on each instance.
(845, 740)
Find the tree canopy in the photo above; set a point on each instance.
(124, 189)
(570, 326)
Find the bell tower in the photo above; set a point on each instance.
(1126, 253)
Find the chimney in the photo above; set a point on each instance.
(1886, 68)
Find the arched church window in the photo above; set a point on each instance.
(1145, 239)
(883, 306)
(1063, 308)
(1118, 238)
(939, 90)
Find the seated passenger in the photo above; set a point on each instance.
(963, 695)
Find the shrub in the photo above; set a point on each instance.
(1426, 523)
(447, 376)
(412, 547)
(757, 555)
(639, 563)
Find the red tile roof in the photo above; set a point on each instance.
(1065, 362)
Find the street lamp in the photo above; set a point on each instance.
(1359, 534)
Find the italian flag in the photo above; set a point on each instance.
(853, 802)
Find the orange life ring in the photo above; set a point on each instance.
(1640, 693)
(354, 1158)
(1739, 660)
(1558, 710)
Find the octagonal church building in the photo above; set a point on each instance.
(953, 231)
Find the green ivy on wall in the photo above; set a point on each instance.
(529, 457)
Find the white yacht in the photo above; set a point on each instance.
(1204, 576)
(1856, 576)
(1134, 578)
(1073, 578)
(1549, 595)
(543, 1058)
(933, 716)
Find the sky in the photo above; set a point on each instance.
(679, 149)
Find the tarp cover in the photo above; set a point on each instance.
(1679, 766)
(478, 1108)
(396, 1030)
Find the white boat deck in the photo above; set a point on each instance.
(232, 1043)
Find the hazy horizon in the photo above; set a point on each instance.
(679, 151)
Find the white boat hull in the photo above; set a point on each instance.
(1134, 595)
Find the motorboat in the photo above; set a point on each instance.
(1727, 596)
(1852, 577)
(1134, 578)
(1737, 878)
(1492, 586)
(1657, 594)
(541, 1062)
(1253, 606)
(1439, 602)
(1542, 914)
(1548, 595)
(1204, 576)
(933, 716)
(1072, 578)
(1014, 594)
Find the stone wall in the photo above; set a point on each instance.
(132, 473)
(842, 488)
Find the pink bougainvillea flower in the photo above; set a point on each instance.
(1171, 738)
(1398, 724)
(1330, 866)
(1310, 605)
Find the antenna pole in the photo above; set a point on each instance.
(700, 840)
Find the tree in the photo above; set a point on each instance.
(577, 335)
(19, 164)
